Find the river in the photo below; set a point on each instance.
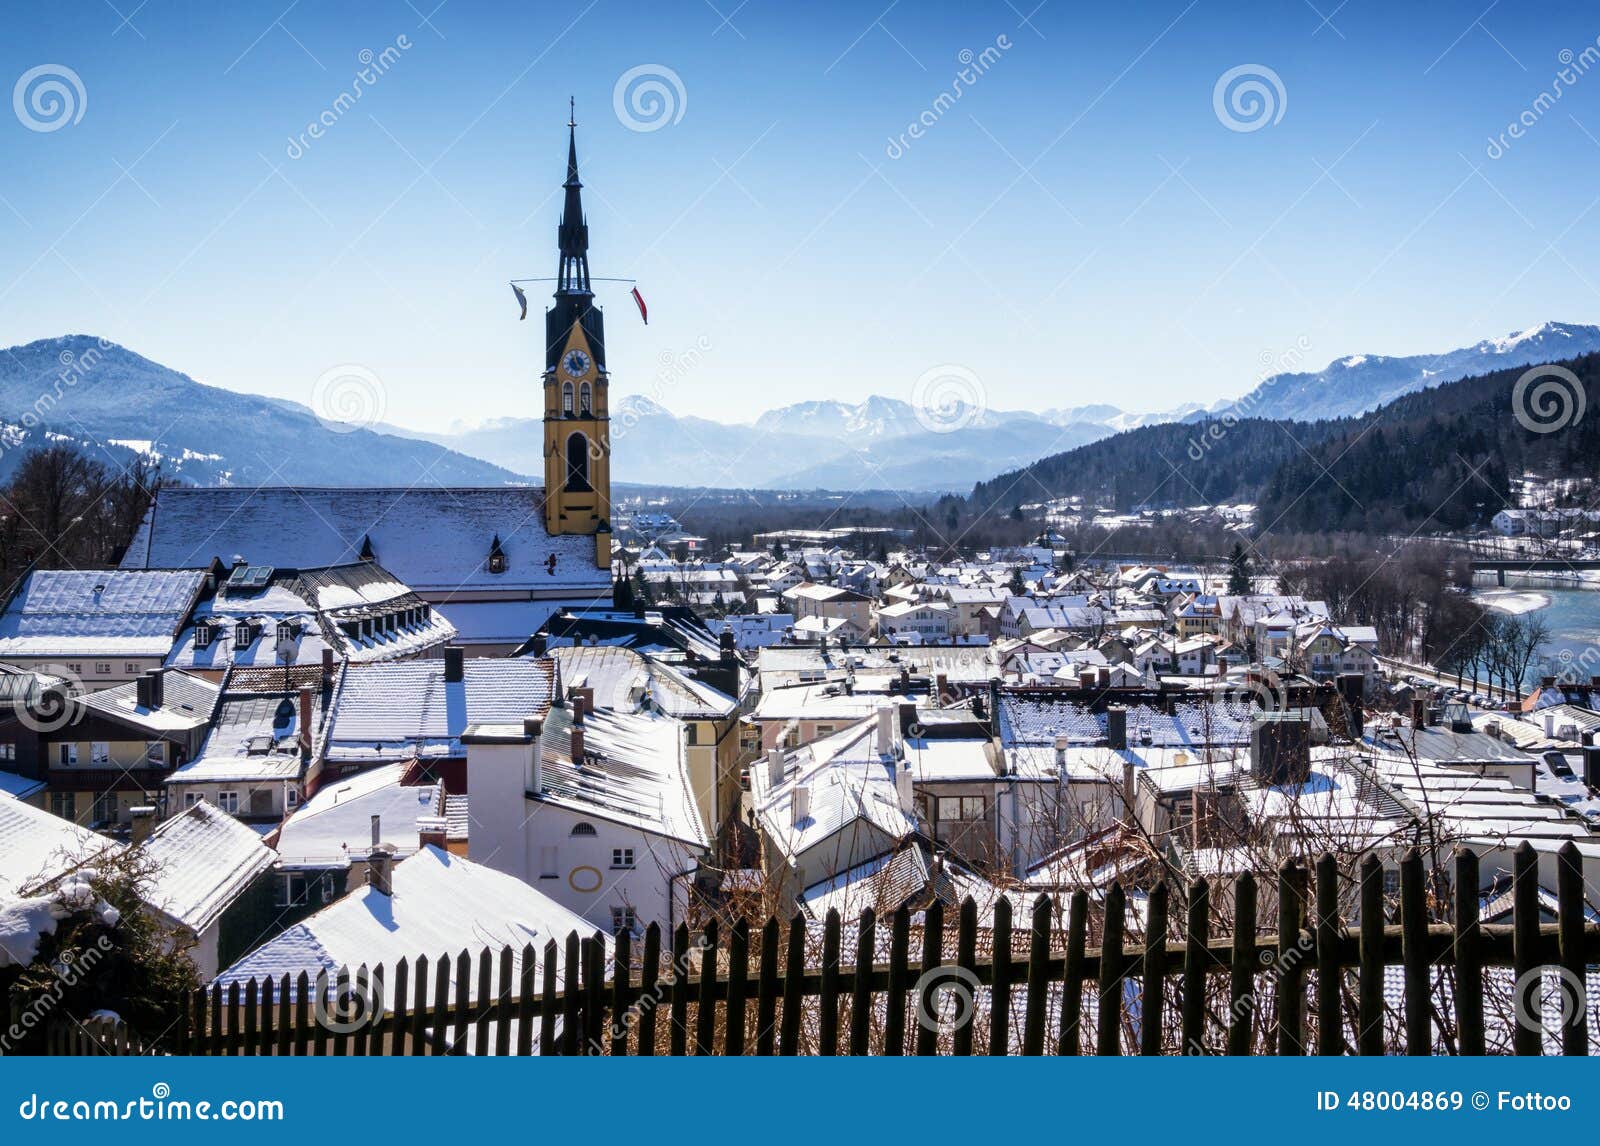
(1571, 611)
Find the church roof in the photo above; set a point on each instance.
(433, 539)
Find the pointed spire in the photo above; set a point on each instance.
(573, 233)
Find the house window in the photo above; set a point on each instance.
(584, 829)
(8, 751)
(291, 890)
(100, 753)
(102, 668)
(566, 398)
(241, 636)
(497, 562)
(64, 804)
(1391, 881)
(585, 400)
(190, 799)
(75, 669)
(578, 463)
(202, 636)
(105, 808)
(622, 857)
(285, 632)
(623, 919)
(291, 797)
(228, 802)
(67, 753)
(965, 808)
(130, 668)
(547, 862)
(693, 733)
(155, 752)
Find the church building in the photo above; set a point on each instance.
(497, 562)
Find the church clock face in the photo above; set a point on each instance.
(576, 363)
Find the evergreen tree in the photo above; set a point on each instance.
(1238, 571)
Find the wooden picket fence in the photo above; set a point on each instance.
(767, 992)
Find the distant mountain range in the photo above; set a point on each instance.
(125, 403)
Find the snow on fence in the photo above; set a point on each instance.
(913, 984)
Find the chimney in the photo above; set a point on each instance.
(1591, 766)
(380, 867)
(1062, 744)
(141, 692)
(1105, 677)
(577, 744)
(905, 678)
(1116, 727)
(144, 822)
(905, 789)
(327, 664)
(431, 832)
(774, 767)
(941, 687)
(157, 688)
(1352, 691)
(800, 805)
(540, 644)
(454, 666)
(534, 727)
(886, 716)
(577, 707)
(305, 722)
(1547, 682)
(1086, 678)
(1419, 712)
(1222, 666)
(727, 647)
(1280, 748)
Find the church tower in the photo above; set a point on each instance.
(577, 425)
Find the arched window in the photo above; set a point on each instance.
(583, 829)
(585, 400)
(578, 463)
(566, 398)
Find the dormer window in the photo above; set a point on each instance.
(497, 555)
(285, 631)
(203, 632)
(242, 636)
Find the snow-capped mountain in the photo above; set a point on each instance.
(114, 403)
(1362, 382)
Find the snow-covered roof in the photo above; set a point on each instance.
(335, 825)
(433, 539)
(441, 905)
(205, 860)
(36, 845)
(411, 703)
(187, 702)
(847, 782)
(107, 612)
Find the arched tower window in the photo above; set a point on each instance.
(578, 463)
(585, 400)
(566, 398)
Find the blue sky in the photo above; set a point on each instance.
(1080, 226)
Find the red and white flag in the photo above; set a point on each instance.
(644, 311)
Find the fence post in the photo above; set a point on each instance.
(1241, 993)
(1569, 918)
(861, 991)
(1369, 1004)
(1526, 1038)
(966, 959)
(650, 986)
(1038, 978)
(767, 988)
(828, 993)
(1152, 1005)
(1196, 960)
(594, 996)
(678, 1028)
(705, 1025)
(794, 969)
(547, 1009)
(502, 1022)
(1000, 985)
(1108, 1014)
(419, 1009)
(1414, 955)
(1070, 1039)
(932, 957)
(894, 1004)
(572, 995)
(1468, 956)
(1330, 1017)
(1290, 966)
(621, 990)
(525, 992)
(396, 1023)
